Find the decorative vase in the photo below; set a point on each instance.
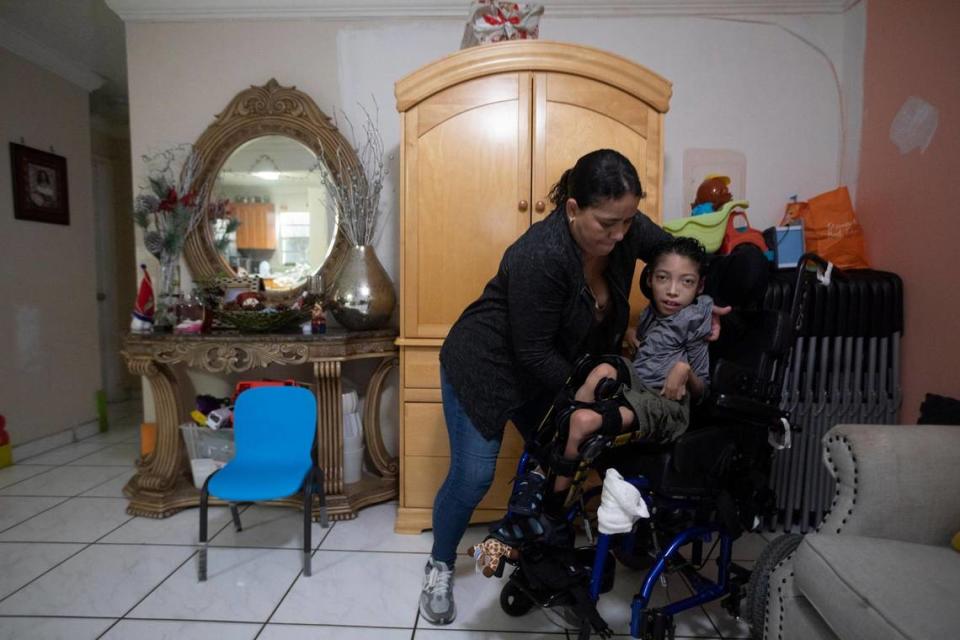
(362, 295)
(168, 293)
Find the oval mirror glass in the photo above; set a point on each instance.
(274, 221)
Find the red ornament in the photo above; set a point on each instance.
(144, 307)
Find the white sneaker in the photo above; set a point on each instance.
(436, 599)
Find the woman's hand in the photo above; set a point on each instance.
(715, 321)
(675, 386)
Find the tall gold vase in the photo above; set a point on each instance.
(362, 296)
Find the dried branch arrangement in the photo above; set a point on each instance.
(166, 209)
(354, 190)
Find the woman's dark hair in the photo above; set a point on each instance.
(600, 175)
(687, 247)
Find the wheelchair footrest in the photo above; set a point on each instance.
(656, 625)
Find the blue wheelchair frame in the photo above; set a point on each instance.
(705, 590)
(656, 623)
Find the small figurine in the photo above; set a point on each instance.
(142, 316)
(318, 319)
(712, 194)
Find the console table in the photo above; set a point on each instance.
(162, 484)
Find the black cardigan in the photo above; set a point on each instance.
(512, 349)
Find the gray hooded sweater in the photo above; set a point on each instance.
(666, 340)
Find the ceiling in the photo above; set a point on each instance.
(84, 41)
(81, 40)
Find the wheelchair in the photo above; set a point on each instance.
(708, 486)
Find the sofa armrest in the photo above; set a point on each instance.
(789, 615)
(894, 481)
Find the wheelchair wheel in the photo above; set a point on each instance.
(513, 601)
(758, 589)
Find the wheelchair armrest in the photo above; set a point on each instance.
(748, 409)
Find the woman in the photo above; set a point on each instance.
(561, 291)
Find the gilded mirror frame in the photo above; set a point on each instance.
(253, 113)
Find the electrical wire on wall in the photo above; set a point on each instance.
(833, 71)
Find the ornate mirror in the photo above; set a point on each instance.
(259, 159)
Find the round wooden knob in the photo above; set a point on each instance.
(523, 204)
(540, 206)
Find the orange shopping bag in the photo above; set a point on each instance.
(831, 229)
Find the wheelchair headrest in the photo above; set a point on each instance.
(644, 285)
(747, 334)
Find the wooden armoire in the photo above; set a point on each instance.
(486, 132)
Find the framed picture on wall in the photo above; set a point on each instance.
(39, 185)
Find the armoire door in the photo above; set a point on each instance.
(467, 192)
(574, 115)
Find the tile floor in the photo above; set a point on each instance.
(74, 565)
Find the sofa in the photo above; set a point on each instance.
(880, 565)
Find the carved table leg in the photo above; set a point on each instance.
(153, 489)
(385, 465)
(343, 501)
(330, 424)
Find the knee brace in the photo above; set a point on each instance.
(557, 463)
(586, 363)
(612, 422)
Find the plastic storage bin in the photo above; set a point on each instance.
(207, 449)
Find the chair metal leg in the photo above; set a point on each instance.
(202, 563)
(322, 495)
(202, 555)
(235, 514)
(307, 528)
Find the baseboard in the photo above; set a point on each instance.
(87, 429)
(55, 440)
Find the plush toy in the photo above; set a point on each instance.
(712, 194)
(142, 320)
(490, 555)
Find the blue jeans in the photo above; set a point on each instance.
(473, 460)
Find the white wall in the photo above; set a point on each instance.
(747, 86)
(50, 367)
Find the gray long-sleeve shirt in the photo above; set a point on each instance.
(666, 340)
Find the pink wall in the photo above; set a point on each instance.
(908, 203)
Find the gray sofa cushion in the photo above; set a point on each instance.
(874, 589)
(801, 620)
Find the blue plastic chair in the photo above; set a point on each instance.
(274, 432)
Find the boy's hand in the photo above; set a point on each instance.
(675, 386)
(715, 321)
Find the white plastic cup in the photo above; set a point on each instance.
(352, 425)
(352, 465)
(350, 402)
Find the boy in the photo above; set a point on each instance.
(671, 364)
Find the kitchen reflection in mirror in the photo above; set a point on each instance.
(284, 228)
